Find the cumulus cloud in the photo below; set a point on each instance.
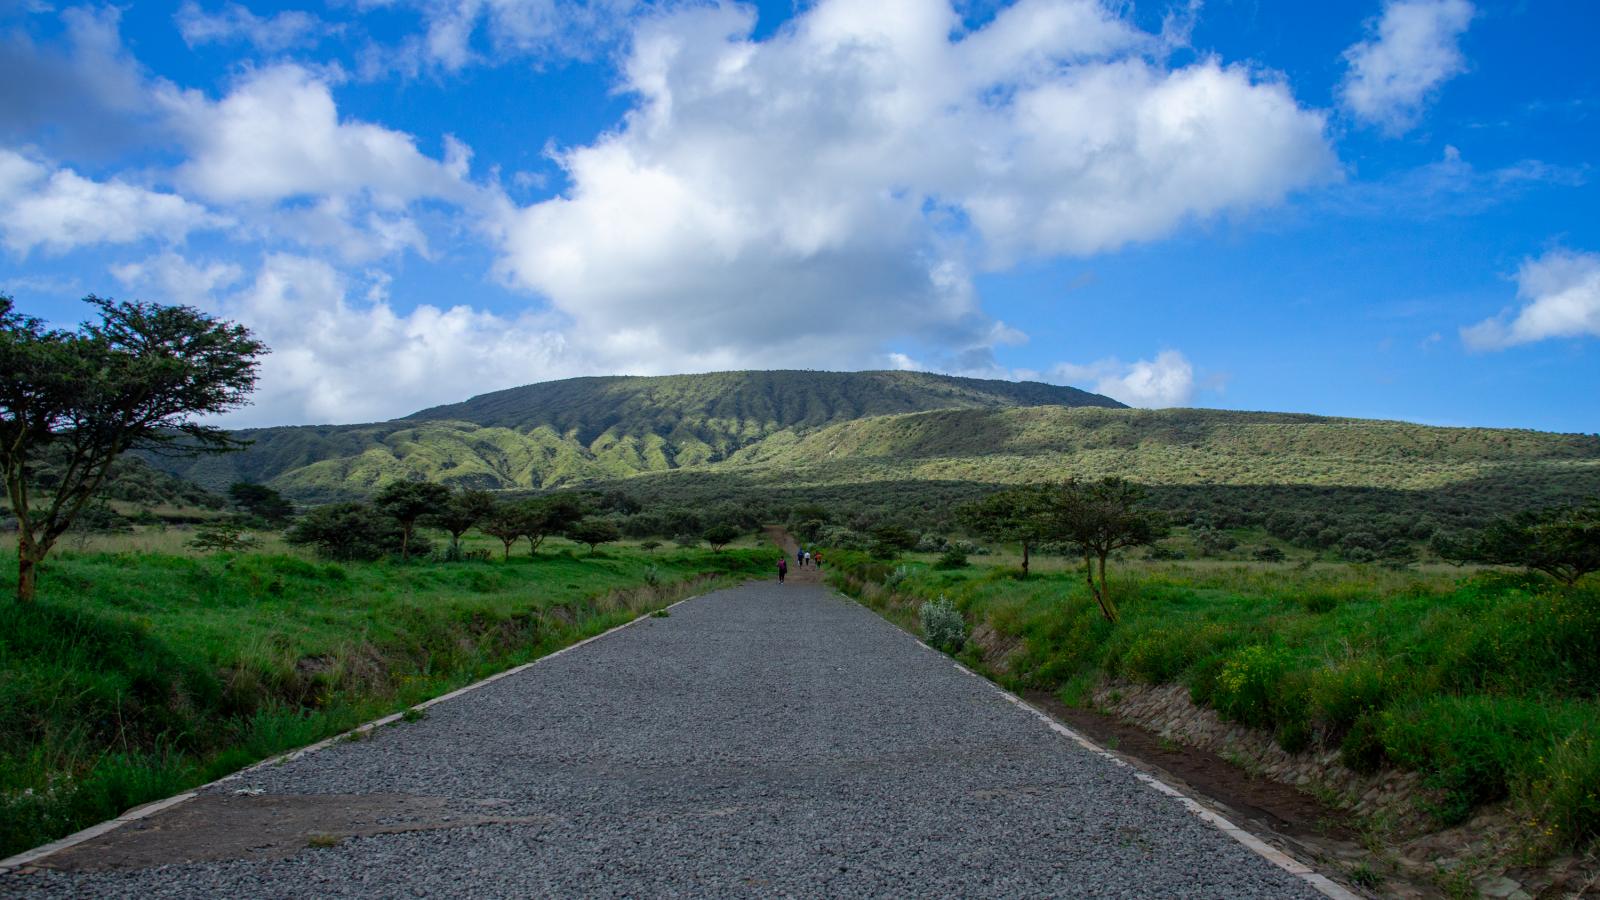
(1560, 293)
(1167, 380)
(808, 196)
(57, 209)
(278, 135)
(1411, 50)
(233, 22)
(341, 353)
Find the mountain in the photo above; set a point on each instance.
(583, 430)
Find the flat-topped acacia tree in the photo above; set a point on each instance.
(134, 380)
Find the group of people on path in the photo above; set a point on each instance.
(802, 558)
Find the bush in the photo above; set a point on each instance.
(1246, 685)
(350, 531)
(942, 625)
(223, 536)
(953, 557)
(1269, 554)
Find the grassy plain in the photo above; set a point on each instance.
(146, 668)
(1486, 682)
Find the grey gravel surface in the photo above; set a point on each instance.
(763, 740)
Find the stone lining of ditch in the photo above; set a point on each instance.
(1481, 852)
(30, 859)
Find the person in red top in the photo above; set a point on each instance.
(783, 569)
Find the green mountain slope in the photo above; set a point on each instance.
(587, 429)
(1177, 446)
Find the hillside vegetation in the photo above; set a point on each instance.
(584, 430)
(912, 441)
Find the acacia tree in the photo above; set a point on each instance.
(719, 536)
(460, 512)
(1018, 515)
(1097, 518)
(550, 515)
(593, 532)
(134, 380)
(407, 502)
(1563, 543)
(506, 521)
(260, 500)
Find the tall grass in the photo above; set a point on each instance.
(1487, 683)
(140, 673)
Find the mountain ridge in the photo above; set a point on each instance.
(577, 430)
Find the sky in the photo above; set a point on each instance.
(1368, 208)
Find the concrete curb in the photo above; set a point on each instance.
(40, 853)
(1322, 883)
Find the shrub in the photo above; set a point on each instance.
(350, 531)
(942, 625)
(225, 536)
(1247, 683)
(954, 557)
(1269, 554)
(893, 579)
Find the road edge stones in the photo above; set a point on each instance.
(12, 865)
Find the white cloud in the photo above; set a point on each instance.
(337, 360)
(174, 279)
(1415, 48)
(1560, 294)
(233, 22)
(1167, 380)
(812, 195)
(278, 135)
(459, 33)
(57, 209)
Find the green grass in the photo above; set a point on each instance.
(1487, 683)
(139, 674)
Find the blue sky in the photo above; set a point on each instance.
(1382, 209)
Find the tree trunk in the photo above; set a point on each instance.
(1106, 606)
(405, 542)
(1024, 559)
(27, 577)
(508, 548)
(30, 553)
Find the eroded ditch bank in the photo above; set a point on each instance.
(1376, 828)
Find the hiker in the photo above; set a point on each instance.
(783, 569)
(799, 556)
(808, 558)
(817, 561)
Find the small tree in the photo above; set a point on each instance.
(1563, 543)
(460, 512)
(1097, 518)
(593, 532)
(650, 545)
(549, 515)
(223, 536)
(1018, 515)
(133, 380)
(261, 501)
(890, 540)
(506, 521)
(407, 502)
(348, 531)
(719, 536)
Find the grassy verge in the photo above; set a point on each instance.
(140, 674)
(1487, 683)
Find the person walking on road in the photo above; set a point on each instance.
(783, 568)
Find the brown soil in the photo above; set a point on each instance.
(216, 827)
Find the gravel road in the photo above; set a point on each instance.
(763, 740)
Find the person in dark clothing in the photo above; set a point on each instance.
(783, 569)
